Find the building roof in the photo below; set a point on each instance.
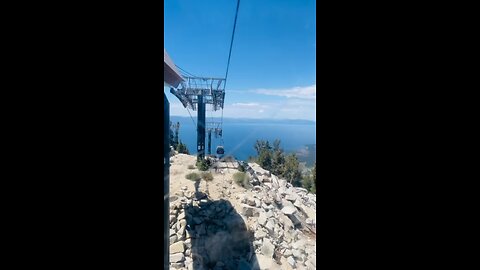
(171, 74)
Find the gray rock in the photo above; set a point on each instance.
(172, 232)
(300, 244)
(177, 265)
(173, 239)
(291, 261)
(287, 253)
(259, 234)
(177, 247)
(295, 219)
(298, 203)
(296, 253)
(248, 211)
(181, 231)
(270, 225)
(258, 204)
(181, 215)
(287, 223)
(267, 248)
(289, 210)
(177, 257)
(257, 243)
(312, 260)
(290, 197)
(250, 201)
(262, 219)
(299, 189)
(264, 262)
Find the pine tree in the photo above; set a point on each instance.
(292, 170)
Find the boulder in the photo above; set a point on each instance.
(177, 247)
(264, 262)
(259, 234)
(270, 225)
(173, 239)
(262, 219)
(295, 219)
(267, 248)
(287, 223)
(296, 253)
(290, 197)
(291, 261)
(177, 257)
(289, 210)
(248, 211)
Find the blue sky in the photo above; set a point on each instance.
(272, 67)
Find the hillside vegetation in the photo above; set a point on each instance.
(272, 158)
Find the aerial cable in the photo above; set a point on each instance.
(186, 72)
(230, 53)
(231, 41)
(194, 124)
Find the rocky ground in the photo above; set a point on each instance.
(220, 225)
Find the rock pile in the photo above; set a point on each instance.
(270, 226)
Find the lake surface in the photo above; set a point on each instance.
(239, 136)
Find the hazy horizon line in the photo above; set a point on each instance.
(246, 118)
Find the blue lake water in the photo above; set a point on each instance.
(239, 137)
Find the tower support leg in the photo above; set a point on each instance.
(201, 128)
(210, 142)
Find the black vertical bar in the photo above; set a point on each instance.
(166, 182)
(209, 141)
(201, 129)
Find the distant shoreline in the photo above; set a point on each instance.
(252, 120)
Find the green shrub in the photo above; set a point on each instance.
(241, 179)
(207, 176)
(193, 176)
(241, 167)
(182, 148)
(202, 165)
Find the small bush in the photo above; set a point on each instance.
(202, 165)
(241, 167)
(191, 167)
(207, 176)
(182, 148)
(193, 176)
(241, 179)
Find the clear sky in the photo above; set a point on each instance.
(272, 67)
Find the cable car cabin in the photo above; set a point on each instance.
(220, 150)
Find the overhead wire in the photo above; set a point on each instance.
(226, 72)
(186, 72)
(229, 56)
